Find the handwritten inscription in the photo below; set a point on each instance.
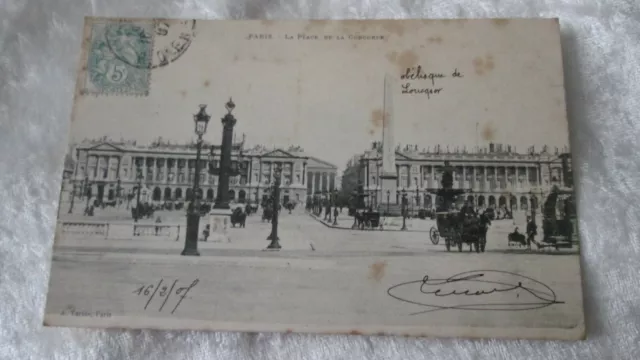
(418, 74)
(482, 290)
(162, 291)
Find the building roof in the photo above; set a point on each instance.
(178, 148)
(493, 152)
(167, 147)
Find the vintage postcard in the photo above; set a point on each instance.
(377, 177)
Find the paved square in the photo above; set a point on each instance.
(319, 271)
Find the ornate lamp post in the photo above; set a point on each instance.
(201, 120)
(335, 213)
(404, 209)
(275, 244)
(118, 187)
(87, 188)
(139, 178)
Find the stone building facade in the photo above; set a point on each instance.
(495, 176)
(107, 171)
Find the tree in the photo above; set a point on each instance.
(351, 177)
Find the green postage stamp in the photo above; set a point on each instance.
(123, 52)
(119, 58)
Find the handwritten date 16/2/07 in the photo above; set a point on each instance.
(165, 292)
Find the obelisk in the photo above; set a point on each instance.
(388, 176)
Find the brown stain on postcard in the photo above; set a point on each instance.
(407, 59)
(488, 132)
(377, 270)
(483, 65)
(206, 83)
(377, 118)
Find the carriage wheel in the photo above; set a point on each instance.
(447, 243)
(434, 235)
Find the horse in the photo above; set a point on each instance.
(474, 231)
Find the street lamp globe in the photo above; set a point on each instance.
(230, 105)
(201, 120)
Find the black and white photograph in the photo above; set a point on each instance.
(396, 177)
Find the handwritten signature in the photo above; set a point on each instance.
(488, 290)
(165, 291)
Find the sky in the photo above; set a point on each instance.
(327, 95)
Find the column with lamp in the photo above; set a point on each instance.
(220, 214)
(417, 202)
(201, 120)
(118, 188)
(275, 240)
(335, 212)
(139, 176)
(329, 200)
(248, 170)
(87, 188)
(405, 203)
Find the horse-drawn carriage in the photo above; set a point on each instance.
(366, 220)
(458, 228)
(238, 217)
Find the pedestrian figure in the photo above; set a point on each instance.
(206, 232)
(158, 221)
(532, 231)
